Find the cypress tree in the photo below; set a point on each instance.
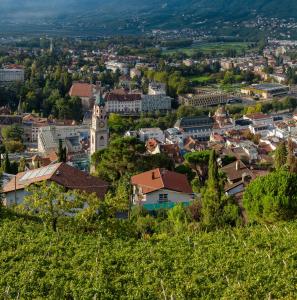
(6, 164)
(211, 201)
(22, 165)
(291, 158)
(60, 152)
(217, 209)
(280, 156)
(213, 173)
(64, 155)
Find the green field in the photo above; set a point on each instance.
(200, 79)
(208, 48)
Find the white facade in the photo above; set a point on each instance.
(153, 103)
(15, 198)
(114, 66)
(262, 129)
(263, 120)
(49, 136)
(125, 106)
(157, 89)
(160, 196)
(147, 103)
(9, 75)
(151, 133)
(99, 129)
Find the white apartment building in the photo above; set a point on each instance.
(72, 138)
(123, 102)
(10, 75)
(123, 106)
(151, 133)
(114, 66)
(158, 102)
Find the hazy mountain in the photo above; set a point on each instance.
(139, 14)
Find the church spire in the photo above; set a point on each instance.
(99, 100)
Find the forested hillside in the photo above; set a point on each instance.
(134, 16)
(244, 263)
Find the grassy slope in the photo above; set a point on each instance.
(207, 48)
(250, 263)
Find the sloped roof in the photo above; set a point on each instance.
(236, 170)
(62, 174)
(122, 95)
(157, 179)
(81, 90)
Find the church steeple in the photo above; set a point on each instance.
(100, 100)
(99, 128)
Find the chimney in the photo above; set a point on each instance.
(245, 178)
(153, 175)
(237, 165)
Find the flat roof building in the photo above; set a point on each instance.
(204, 98)
(266, 90)
(199, 128)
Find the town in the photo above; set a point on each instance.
(243, 110)
(151, 156)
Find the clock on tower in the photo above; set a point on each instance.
(99, 128)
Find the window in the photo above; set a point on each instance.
(163, 197)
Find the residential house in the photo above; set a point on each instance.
(236, 171)
(160, 188)
(259, 119)
(62, 174)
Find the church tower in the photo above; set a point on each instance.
(99, 127)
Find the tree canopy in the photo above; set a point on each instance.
(272, 197)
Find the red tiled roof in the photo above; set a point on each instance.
(14, 66)
(157, 179)
(62, 174)
(122, 95)
(81, 90)
(151, 144)
(257, 116)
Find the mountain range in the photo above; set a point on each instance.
(138, 15)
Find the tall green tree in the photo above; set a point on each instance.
(217, 208)
(6, 164)
(62, 152)
(22, 165)
(280, 155)
(13, 132)
(291, 158)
